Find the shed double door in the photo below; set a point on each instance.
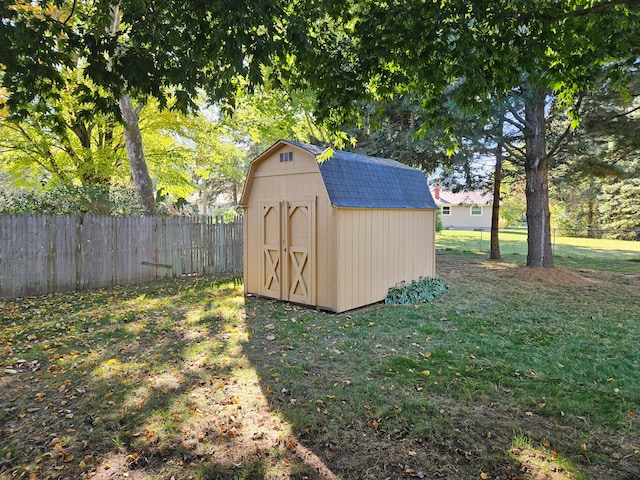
(288, 250)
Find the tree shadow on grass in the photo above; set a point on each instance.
(147, 382)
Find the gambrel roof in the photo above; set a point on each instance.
(361, 181)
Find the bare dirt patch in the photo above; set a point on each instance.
(454, 267)
(554, 276)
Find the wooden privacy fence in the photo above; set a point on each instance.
(41, 254)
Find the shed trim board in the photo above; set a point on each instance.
(318, 234)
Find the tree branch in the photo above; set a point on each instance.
(515, 123)
(514, 151)
(518, 118)
(558, 142)
(624, 114)
(73, 9)
(565, 134)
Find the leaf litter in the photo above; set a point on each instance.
(176, 385)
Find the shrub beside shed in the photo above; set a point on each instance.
(334, 232)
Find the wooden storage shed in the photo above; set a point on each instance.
(334, 232)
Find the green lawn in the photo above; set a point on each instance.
(568, 251)
(513, 373)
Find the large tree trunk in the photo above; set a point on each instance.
(135, 154)
(537, 188)
(495, 208)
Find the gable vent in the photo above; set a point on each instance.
(286, 157)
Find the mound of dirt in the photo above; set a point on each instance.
(556, 275)
(452, 266)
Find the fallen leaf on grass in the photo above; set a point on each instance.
(132, 458)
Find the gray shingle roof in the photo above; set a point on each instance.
(361, 181)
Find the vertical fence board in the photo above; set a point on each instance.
(20, 234)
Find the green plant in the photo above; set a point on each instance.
(71, 200)
(425, 289)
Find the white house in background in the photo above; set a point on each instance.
(464, 210)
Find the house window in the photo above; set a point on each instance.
(446, 211)
(286, 157)
(476, 211)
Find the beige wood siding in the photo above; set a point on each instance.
(377, 249)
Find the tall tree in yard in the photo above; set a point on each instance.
(135, 153)
(539, 49)
(136, 50)
(600, 156)
(65, 143)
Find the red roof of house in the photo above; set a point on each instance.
(474, 197)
